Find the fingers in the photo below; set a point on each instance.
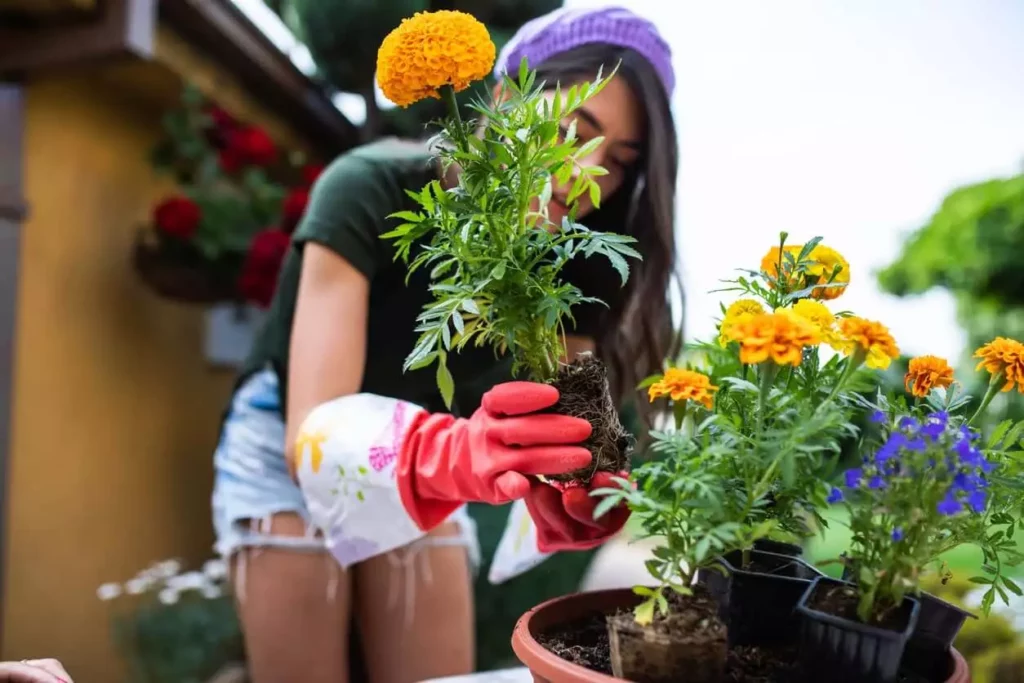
(539, 430)
(512, 485)
(36, 671)
(546, 459)
(519, 398)
(606, 480)
(579, 505)
(545, 506)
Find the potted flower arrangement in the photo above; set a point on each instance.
(222, 236)
(758, 416)
(494, 253)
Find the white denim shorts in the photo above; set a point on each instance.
(252, 483)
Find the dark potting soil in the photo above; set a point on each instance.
(841, 601)
(583, 392)
(585, 643)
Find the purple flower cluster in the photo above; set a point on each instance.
(931, 450)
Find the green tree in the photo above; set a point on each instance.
(971, 247)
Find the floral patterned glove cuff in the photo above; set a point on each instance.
(346, 453)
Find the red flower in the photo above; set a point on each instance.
(247, 146)
(293, 208)
(221, 118)
(222, 123)
(263, 265)
(178, 217)
(311, 172)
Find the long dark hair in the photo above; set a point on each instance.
(638, 335)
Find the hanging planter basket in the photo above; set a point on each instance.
(178, 272)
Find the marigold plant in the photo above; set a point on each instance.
(485, 233)
(793, 381)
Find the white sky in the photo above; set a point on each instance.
(841, 118)
(849, 120)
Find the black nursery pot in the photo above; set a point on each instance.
(779, 547)
(938, 622)
(845, 651)
(757, 604)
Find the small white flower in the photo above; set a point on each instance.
(211, 592)
(167, 568)
(216, 570)
(168, 596)
(188, 581)
(138, 585)
(108, 591)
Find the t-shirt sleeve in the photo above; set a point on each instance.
(348, 211)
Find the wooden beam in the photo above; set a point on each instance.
(123, 28)
(46, 8)
(221, 30)
(12, 212)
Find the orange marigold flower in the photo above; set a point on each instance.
(871, 338)
(926, 373)
(684, 385)
(1004, 358)
(431, 50)
(779, 337)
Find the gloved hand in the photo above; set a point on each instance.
(565, 517)
(445, 462)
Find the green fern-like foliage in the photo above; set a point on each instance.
(494, 255)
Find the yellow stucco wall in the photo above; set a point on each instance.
(115, 411)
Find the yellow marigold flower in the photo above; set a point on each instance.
(926, 373)
(1003, 357)
(818, 315)
(779, 337)
(431, 50)
(684, 385)
(825, 261)
(738, 310)
(871, 338)
(770, 262)
(819, 264)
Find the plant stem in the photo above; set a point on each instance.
(448, 95)
(993, 389)
(855, 361)
(768, 372)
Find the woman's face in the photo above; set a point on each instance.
(615, 114)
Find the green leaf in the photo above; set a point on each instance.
(999, 432)
(445, 382)
(644, 612)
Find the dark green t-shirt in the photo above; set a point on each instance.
(347, 213)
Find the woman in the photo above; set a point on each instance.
(341, 324)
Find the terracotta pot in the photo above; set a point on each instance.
(547, 667)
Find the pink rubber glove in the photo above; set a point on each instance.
(564, 516)
(445, 462)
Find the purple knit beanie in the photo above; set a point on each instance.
(566, 29)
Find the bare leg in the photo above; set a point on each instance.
(418, 628)
(293, 631)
